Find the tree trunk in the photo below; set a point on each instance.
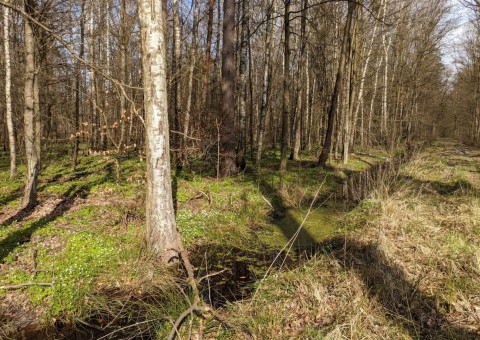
(30, 193)
(93, 82)
(176, 68)
(78, 90)
(386, 49)
(299, 114)
(8, 96)
(228, 134)
(286, 94)
(349, 122)
(332, 111)
(241, 162)
(188, 109)
(267, 78)
(123, 74)
(360, 99)
(36, 110)
(372, 101)
(206, 78)
(162, 236)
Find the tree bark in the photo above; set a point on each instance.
(123, 73)
(228, 134)
(94, 127)
(8, 95)
(78, 91)
(206, 78)
(30, 193)
(162, 236)
(176, 68)
(332, 111)
(267, 78)
(241, 162)
(193, 60)
(349, 122)
(299, 114)
(286, 94)
(360, 97)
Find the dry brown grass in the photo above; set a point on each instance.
(412, 272)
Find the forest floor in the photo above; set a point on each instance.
(404, 263)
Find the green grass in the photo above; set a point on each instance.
(87, 237)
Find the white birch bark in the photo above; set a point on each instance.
(267, 77)
(386, 43)
(193, 60)
(360, 99)
(8, 96)
(162, 234)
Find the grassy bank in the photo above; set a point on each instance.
(409, 266)
(85, 238)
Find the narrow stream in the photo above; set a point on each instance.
(241, 268)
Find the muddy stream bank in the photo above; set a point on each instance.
(242, 269)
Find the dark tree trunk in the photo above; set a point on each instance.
(332, 111)
(227, 120)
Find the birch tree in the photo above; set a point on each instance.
(162, 234)
(267, 78)
(8, 96)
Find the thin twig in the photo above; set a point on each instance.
(210, 275)
(268, 202)
(193, 308)
(89, 325)
(26, 284)
(129, 326)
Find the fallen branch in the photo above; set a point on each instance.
(129, 326)
(268, 202)
(193, 308)
(210, 275)
(21, 285)
(198, 305)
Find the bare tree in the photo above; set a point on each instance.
(78, 90)
(162, 234)
(228, 134)
(267, 77)
(332, 111)
(286, 93)
(8, 96)
(33, 165)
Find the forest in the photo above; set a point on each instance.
(254, 169)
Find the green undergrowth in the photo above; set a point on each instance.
(86, 238)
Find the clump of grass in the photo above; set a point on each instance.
(140, 300)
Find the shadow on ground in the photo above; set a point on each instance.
(459, 186)
(12, 196)
(423, 316)
(21, 236)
